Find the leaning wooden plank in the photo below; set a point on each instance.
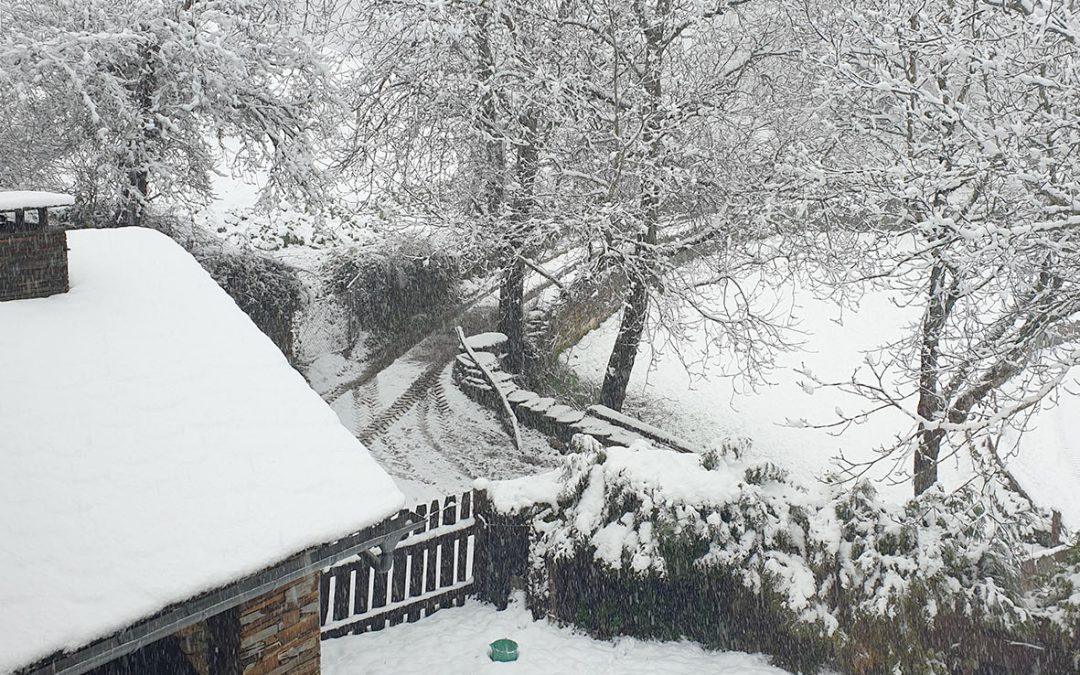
(498, 390)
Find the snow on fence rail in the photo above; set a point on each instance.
(432, 569)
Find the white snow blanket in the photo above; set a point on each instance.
(834, 342)
(455, 642)
(12, 200)
(154, 444)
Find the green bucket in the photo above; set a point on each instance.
(504, 650)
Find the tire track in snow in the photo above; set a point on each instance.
(409, 398)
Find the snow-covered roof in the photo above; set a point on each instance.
(154, 444)
(23, 199)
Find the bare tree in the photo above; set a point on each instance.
(955, 140)
(141, 92)
(455, 104)
(680, 146)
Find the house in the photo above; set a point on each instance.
(170, 486)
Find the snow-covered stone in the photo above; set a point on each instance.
(486, 342)
(521, 396)
(563, 414)
(30, 199)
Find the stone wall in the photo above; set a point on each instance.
(545, 414)
(279, 631)
(32, 264)
(275, 633)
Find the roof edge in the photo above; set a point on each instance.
(177, 616)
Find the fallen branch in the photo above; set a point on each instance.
(542, 272)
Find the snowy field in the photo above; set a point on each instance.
(454, 641)
(833, 343)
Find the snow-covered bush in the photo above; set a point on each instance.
(270, 292)
(286, 227)
(387, 284)
(738, 555)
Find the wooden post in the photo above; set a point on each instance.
(501, 551)
(42, 218)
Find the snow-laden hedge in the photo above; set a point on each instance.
(738, 555)
(385, 285)
(269, 291)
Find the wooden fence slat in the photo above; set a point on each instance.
(446, 561)
(399, 571)
(431, 552)
(416, 573)
(360, 599)
(342, 584)
(461, 573)
(434, 515)
(421, 510)
(449, 510)
(324, 596)
(378, 595)
(466, 505)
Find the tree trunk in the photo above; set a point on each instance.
(491, 195)
(632, 326)
(926, 459)
(624, 353)
(512, 313)
(132, 209)
(930, 406)
(512, 284)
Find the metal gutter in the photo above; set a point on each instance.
(385, 536)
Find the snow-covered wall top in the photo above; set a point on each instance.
(154, 444)
(13, 200)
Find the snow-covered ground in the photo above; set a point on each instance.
(455, 641)
(833, 343)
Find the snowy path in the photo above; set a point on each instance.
(403, 405)
(454, 641)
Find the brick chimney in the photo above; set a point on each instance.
(33, 258)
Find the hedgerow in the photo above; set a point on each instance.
(739, 555)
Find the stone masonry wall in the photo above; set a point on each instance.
(32, 264)
(543, 413)
(279, 631)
